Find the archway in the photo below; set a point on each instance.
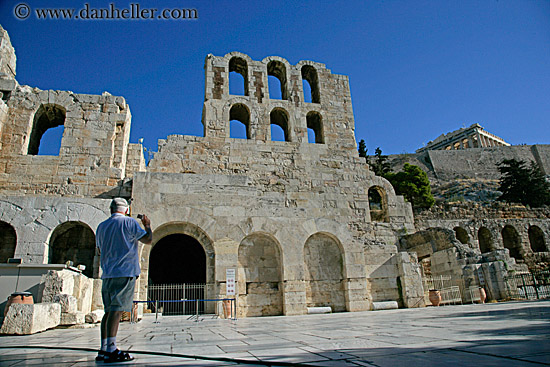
(512, 241)
(259, 278)
(177, 271)
(536, 239)
(48, 122)
(378, 204)
(324, 273)
(462, 235)
(485, 239)
(8, 240)
(73, 241)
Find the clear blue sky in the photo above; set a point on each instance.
(416, 68)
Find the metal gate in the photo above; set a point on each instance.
(177, 299)
(447, 285)
(534, 285)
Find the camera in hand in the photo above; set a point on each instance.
(140, 216)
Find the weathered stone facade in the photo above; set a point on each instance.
(523, 232)
(305, 224)
(303, 221)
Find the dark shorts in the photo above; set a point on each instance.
(118, 294)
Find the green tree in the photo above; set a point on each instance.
(380, 166)
(362, 149)
(523, 184)
(413, 184)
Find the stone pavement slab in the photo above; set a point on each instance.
(496, 334)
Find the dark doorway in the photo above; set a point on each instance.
(8, 240)
(512, 242)
(73, 241)
(177, 272)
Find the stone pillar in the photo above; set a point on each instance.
(412, 290)
(294, 294)
(356, 294)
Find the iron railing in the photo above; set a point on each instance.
(447, 285)
(535, 285)
(177, 299)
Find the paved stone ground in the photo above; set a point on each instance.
(499, 334)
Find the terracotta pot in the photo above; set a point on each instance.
(435, 297)
(24, 298)
(227, 313)
(482, 295)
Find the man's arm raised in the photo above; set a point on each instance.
(148, 237)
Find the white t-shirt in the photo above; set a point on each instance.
(117, 239)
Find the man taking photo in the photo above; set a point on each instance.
(117, 240)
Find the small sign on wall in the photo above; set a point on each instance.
(480, 276)
(230, 282)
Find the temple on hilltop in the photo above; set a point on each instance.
(473, 136)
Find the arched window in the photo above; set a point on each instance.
(485, 239)
(239, 125)
(512, 241)
(309, 75)
(47, 130)
(278, 70)
(8, 240)
(461, 235)
(315, 128)
(536, 239)
(378, 204)
(238, 76)
(279, 117)
(74, 241)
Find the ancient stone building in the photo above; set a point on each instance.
(473, 136)
(303, 221)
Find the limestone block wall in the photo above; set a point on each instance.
(523, 232)
(293, 199)
(135, 161)
(330, 109)
(93, 153)
(34, 221)
(3, 118)
(473, 163)
(7, 55)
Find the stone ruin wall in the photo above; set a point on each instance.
(473, 163)
(299, 197)
(522, 232)
(94, 148)
(244, 201)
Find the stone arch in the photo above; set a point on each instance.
(461, 235)
(512, 241)
(277, 69)
(74, 241)
(259, 278)
(485, 239)
(314, 123)
(309, 74)
(185, 233)
(240, 112)
(536, 239)
(378, 204)
(8, 241)
(279, 117)
(324, 272)
(239, 66)
(47, 116)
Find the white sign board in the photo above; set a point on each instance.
(230, 282)
(481, 277)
